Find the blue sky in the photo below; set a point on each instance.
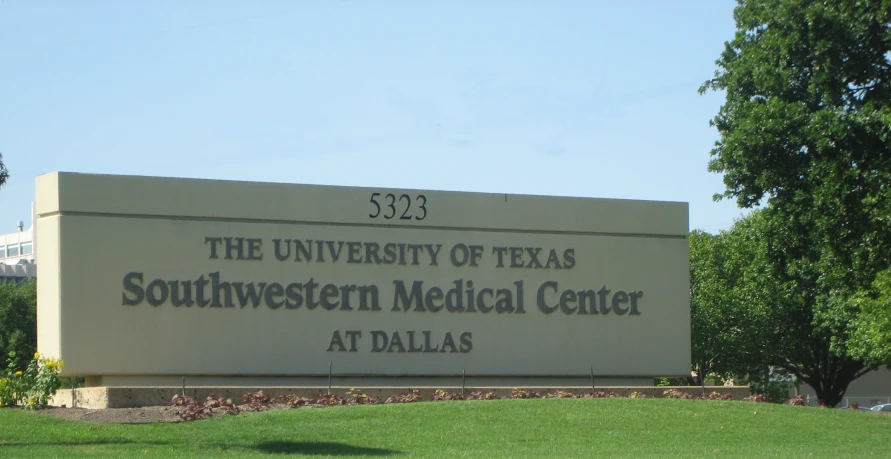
(567, 98)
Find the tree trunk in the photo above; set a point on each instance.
(831, 381)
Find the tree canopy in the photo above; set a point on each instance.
(807, 125)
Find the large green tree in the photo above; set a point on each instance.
(806, 131)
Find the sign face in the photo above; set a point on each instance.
(161, 276)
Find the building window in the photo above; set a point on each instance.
(12, 250)
(2, 251)
(26, 248)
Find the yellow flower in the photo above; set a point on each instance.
(32, 400)
(18, 373)
(54, 365)
(36, 355)
(3, 382)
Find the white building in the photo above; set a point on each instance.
(17, 250)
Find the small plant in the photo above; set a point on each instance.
(255, 401)
(663, 382)
(599, 394)
(714, 396)
(519, 393)
(32, 387)
(637, 394)
(181, 400)
(357, 397)
(193, 410)
(797, 400)
(674, 393)
(293, 401)
(560, 394)
(758, 398)
(330, 400)
(441, 395)
(217, 402)
(405, 397)
(482, 395)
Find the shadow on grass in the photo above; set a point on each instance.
(321, 447)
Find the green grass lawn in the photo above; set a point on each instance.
(498, 428)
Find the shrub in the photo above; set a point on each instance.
(480, 395)
(330, 400)
(518, 393)
(293, 401)
(714, 396)
(674, 393)
(560, 394)
(405, 397)
(357, 397)
(599, 394)
(777, 391)
(193, 409)
(441, 395)
(797, 400)
(32, 387)
(217, 402)
(637, 394)
(255, 401)
(758, 398)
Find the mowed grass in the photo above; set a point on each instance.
(497, 428)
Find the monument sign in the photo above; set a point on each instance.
(142, 279)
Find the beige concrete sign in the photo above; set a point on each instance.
(148, 276)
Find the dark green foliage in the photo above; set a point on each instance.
(807, 125)
(18, 320)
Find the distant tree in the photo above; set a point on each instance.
(18, 320)
(4, 174)
(806, 126)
